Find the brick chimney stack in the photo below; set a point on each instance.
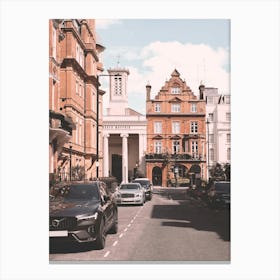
(148, 92)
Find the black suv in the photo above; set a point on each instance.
(147, 185)
(82, 212)
(219, 194)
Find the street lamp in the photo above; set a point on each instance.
(97, 120)
(207, 122)
(70, 147)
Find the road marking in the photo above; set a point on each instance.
(115, 243)
(129, 225)
(121, 235)
(107, 254)
(125, 229)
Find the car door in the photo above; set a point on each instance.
(107, 205)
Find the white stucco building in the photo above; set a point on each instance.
(218, 129)
(124, 131)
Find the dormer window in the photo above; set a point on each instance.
(175, 90)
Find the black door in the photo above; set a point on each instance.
(157, 176)
(117, 167)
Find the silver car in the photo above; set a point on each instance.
(130, 193)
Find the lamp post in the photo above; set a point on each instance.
(207, 122)
(70, 147)
(97, 121)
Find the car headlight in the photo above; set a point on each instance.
(138, 194)
(87, 220)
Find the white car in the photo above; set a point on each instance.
(130, 193)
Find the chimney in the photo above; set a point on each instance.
(148, 92)
(201, 91)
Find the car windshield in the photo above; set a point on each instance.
(79, 192)
(130, 187)
(142, 182)
(222, 187)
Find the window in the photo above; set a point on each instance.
(194, 127)
(211, 154)
(195, 149)
(176, 127)
(228, 153)
(211, 138)
(158, 146)
(228, 138)
(175, 107)
(176, 146)
(77, 87)
(193, 107)
(118, 86)
(54, 43)
(228, 117)
(157, 107)
(157, 127)
(209, 99)
(227, 99)
(175, 90)
(211, 117)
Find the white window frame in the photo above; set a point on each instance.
(175, 107)
(211, 117)
(157, 107)
(176, 146)
(157, 127)
(211, 154)
(228, 116)
(54, 43)
(195, 149)
(228, 153)
(176, 127)
(175, 90)
(228, 138)
(194, 127)
(158, 147)
(193, 107)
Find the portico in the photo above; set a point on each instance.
(124, 132)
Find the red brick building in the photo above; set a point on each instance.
(74, 63)
(176, 140)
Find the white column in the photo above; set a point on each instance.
(124, 158)
(141, 147)
(106, 155)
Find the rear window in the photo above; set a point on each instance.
(222, 187)
(142, 182)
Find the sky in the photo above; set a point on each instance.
(152, 48)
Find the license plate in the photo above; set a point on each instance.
(59, 233)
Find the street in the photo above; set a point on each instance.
(171, 227)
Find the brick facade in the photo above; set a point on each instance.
(74, 63)
(176, 139)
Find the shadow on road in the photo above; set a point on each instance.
(69, 247)
(192, 214)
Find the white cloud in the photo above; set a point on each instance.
(195, 63)
(105, 23)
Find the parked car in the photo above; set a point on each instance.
(219, 194)
(130, 193)
(82, 212)
(147, 185)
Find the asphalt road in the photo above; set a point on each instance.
(171, 228)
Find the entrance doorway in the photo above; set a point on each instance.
(157, 176)
(117, 167)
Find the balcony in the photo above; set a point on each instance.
(165, 157)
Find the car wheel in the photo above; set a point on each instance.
(114, 228)
(101, 236)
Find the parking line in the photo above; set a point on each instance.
(115, 243)
(125, 229)
(121, 235)
(129, 225)
(107, 254)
